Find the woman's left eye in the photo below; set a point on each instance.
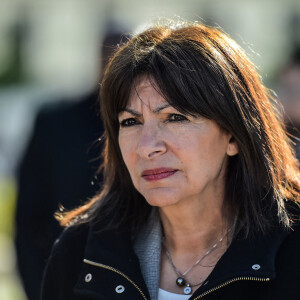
(177, 118)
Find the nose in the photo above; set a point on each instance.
(151, 143)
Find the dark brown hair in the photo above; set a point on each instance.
(198, 69)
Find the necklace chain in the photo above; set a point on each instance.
(182, 275)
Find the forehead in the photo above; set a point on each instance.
(145, 93)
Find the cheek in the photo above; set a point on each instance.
(200, 154)
(126, 145)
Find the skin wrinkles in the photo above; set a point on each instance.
(196, 147)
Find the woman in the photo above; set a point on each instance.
(201, 188)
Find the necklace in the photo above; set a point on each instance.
(181, 281)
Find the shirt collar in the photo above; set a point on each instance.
(147, 246)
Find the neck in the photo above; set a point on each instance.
(193, 229)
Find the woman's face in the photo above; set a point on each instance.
(171, 157)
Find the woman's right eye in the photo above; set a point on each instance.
(128, 122)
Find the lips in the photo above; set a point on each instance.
(157, 174)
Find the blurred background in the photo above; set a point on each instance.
(50, 50)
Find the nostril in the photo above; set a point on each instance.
(153, 153)
(150, 151)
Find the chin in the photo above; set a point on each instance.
(160, 199)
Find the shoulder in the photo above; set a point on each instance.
(294, 233)
(58, 111)
(287, 266)
(69, 110)
(70, 122)
(292, 241)
(74, 235)
(287, 258)
(65, 263)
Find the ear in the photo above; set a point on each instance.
(232, 147)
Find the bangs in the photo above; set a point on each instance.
(180, 79)
(187, 80)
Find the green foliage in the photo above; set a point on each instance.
(7, 206)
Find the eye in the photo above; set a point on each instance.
(177, 118)
(128, 122)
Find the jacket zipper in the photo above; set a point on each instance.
(116, 271)
(198, 297)
(231, 281)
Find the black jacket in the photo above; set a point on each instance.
(88, 265)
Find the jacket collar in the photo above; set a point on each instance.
(250, 258)
(245, 258)
(114, 249)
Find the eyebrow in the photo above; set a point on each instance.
(138, 114)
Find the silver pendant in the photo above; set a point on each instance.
(187, 290)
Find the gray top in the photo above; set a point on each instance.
(147, 247)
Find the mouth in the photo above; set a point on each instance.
(158, 174)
